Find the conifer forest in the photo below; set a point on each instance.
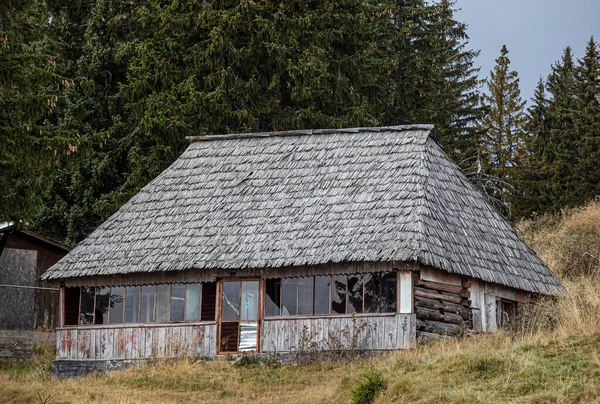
(97, 97)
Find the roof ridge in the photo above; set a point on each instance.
(305, 132)
(421, 203)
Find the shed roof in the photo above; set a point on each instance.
(311, 197)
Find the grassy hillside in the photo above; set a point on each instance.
(555, 358)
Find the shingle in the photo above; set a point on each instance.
(311, 197)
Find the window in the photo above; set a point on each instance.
(71, 302)
(163, 298)
(117, 304)
(209, 301)
(273, 297)
(305, 295)
(192, 302)
(102, 303)
(355, 294)
(337, 294)
(132, 304)
(389, 293)
(507, 313)
(86, 308)
(177, 301)
(231, 301)
(147, 304)
(140, 304)
(372, 293)
(289, 296)
(322, 289)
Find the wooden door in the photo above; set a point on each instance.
(239, 322)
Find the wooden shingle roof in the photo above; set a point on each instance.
(311, 197)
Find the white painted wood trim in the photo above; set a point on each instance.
(406, 292)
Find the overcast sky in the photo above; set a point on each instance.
(535, 32)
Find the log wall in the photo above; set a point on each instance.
(442, 303)
(359, 332)
(144, 341)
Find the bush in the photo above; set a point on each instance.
(365, 390)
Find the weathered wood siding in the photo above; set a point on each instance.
(136, 341)
(23, 260)
(361, 332)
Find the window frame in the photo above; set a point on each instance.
(139, 308)
(331, 285)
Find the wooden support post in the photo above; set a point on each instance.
(61, 307)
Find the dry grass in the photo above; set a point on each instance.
(495, 368)
(569, 243)
(555, 359)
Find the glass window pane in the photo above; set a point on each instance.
(209, 301)
(101, 314)
(372, 293)
(147, 304)
(177, 301)
(231, 301)
(117, 300)
(389, 292)
(86, 309)
(338, 294)
(249, 309)
(132, 304)
(289, 296)
(192, 302)
(355, 293)
(305, 295)
(272, 297)
(163, 297)
(322, 289)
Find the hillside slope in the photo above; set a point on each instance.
(554, 358)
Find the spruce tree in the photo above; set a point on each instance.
(535, 169)
(502, 141)
(80, 193)
(29, 99)
(433, 75)
(149, 73)
(563, 140)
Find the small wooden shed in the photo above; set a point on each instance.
(28, 306)
(287, 241)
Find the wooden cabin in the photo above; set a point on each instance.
(362, 238)
(28, 306)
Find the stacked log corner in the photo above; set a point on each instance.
(442, 309)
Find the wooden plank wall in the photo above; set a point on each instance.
(310, 334)
(136, 342)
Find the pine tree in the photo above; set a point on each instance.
(502, 141)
